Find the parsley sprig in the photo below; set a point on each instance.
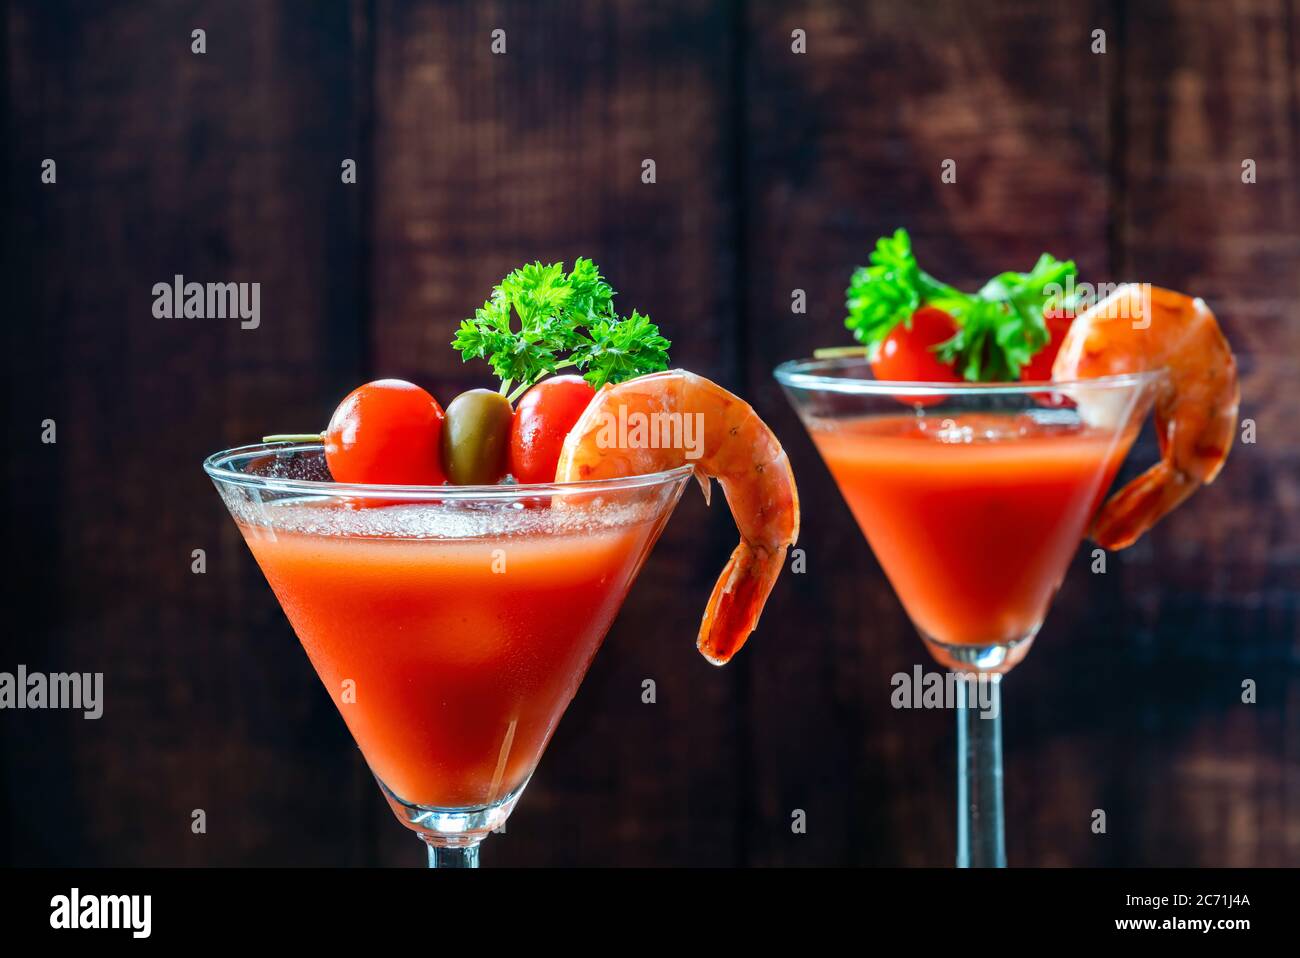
(541, 319)
(999, 328)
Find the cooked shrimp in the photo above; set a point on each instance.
(1195, 409)
(723, 438)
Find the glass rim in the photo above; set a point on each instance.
(217, 466)
(798, 373)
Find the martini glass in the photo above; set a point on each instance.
(974, 498)
(451, 625)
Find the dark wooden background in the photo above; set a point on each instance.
(776, 171)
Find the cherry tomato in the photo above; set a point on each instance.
(545, 415)
(387, 432)
(1040, 367)
(476, 438)
(906, 353)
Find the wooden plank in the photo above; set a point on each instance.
(846, 143)
(221, 167)
(483, 162)
(1208, 86)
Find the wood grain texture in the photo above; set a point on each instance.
(775, 172)
(221, 167)
(1214, 592)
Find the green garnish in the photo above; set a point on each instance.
(999, 328)
(541, 319)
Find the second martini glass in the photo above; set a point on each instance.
(974, 498)
(451, 625)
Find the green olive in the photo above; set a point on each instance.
(476, 437)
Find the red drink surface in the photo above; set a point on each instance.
(974, 518)
(463, 653)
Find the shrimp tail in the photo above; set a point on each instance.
(723, 440)
(1137, 507)
(706, 485)
(737, 600)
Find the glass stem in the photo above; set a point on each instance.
(453, 856)
(980, 837)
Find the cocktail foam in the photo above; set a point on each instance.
(448, 519)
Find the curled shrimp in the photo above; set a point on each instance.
(1195, 408)
(722, 437)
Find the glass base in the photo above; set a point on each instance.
(998, 658)
(452, 827)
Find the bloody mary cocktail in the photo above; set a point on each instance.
(974, 517)
(452, 570)
(974, 500)
(451, 640)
